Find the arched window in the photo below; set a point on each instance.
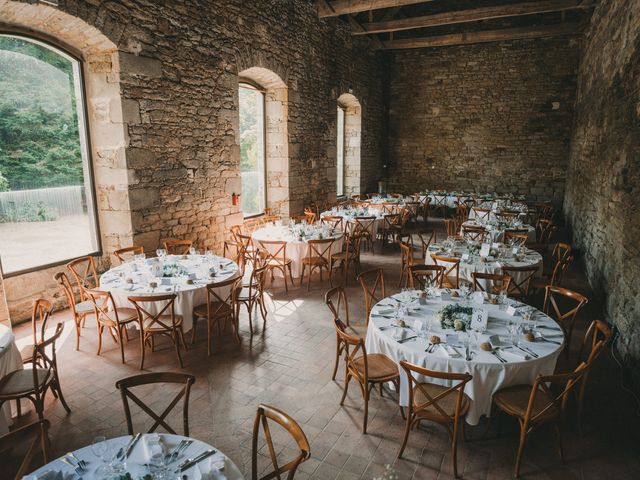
(252, 149)
(47, 210)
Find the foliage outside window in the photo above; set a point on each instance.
(252, 150)
(340, 146)
(46, 199)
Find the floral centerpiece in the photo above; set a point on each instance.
(173, 270)
(454, 317)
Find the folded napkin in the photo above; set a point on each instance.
(210, 469)
(152, 446)
(50, 475)
(384, 310)
(515, 352)
(449, 350)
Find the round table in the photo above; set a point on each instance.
(218, 465)
(190, 287)
(495, 208)
(489, 374)
(349, 214)
(448, 199)
(297, 248)
(496, 233)
(10, 361)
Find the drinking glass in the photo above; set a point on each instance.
(192, 250)
(100, 448)
(161, 253)
(502, 301)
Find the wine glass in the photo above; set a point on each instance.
(161, 253)
(192, 250)
(100, 448)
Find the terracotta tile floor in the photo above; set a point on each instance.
(288, 364)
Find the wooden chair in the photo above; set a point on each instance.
(123, 253)
(439, 204)
(38, 434)
(252, 295)
(334, 222)
(247, 252)
(40, 314)
(350, 255)
(370, 281)
(365, 227)
(115, 319)
(126, 384)
(275, 252)
(423, 276)
(406, 254)
(430, 401)
(499, 283)
(177, 247)
(220, 308)
(318, 258)
(412, 209)
(159, 324)
(85, 274)
(521, 280)
(482, 214)
(516, 238)
(271, 218)
(368, 370)
(450, 227)
(536, 405)
(265, 414)
(427, 237)
(391, 226)
(310, 215)
(566, 317)
(79, 310)
(425, 202)
(34, 383)
(298, 218)
(451, 276)
(544, 230)
(475, 234)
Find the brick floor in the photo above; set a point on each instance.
(288, 364)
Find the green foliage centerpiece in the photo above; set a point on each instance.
(454, 317)
(173, 270)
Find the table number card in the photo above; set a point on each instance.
(445, 296)
(511, 310)
(479, 319)
(485, 249)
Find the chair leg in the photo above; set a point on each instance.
(454, 450)
(290, 275)
(176, 341)
(121, 342)
(407, 430)
(335, 367)
(18, 407)
(209, 335)
(347, 379)
(78, 330)
(142, 340)
(100, 329)
(193, 329)
(302, 273)
(184, 343)
(559, 434)
(58, 388)
(365, 393)
(523, 439)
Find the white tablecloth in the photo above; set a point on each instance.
(139, 456)
(349, 216)
(188, 295)
(296, 249)
(497, 233)
(493, 209)
(10, 361)
(489, 375)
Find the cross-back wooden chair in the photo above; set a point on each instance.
(123, 254)
(252, 294)
(536, 405)
(350, 255)
(544, 230)
(450, 227)
(439, 203)
(115, 319)
(32, 384)
(451, 276)
(336, 301)
(413, 210)
(430, 401)
(475, 234)
(563, 305)
(365, 226)
(38, 434)
(371, 281)
(220, 309)
(271, 218)
(425, 202)
(482, 214)
(461, 213)
(391, 226)
(318, 258)
(298, 218)
(40, 314)
(174, 246)
(516, 238)
(310, 215)
(85, 274)
(164, 323)
(368, 370)
(497, 283)
(406, 254)
(427, 237)
(79, 310)
(506, 216)
(267, 211)
(250, 225)
(335, 222)
(275, 252)
(521, 280)
(126, 384)
(423, 276)
(264, 415)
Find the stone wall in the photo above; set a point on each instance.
(177, 75)
(602, 200)
(489, 117)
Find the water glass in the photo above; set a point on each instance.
(161, 253)
(192, 250)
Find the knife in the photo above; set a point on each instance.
(187, 465)
(132, 444)
(407, 339)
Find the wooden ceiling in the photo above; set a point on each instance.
(401, 24)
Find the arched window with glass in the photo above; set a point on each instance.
(47, 208)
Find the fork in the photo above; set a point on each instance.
(81, 463)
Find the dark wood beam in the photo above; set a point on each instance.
(473, 15)
(485, 36)
(333, 8)
(356, 27)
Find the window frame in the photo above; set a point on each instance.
(248, 84)
(341, 171)
(84, 130)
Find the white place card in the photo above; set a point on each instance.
(445, 296)
(485, 249)
(511, 310)
(495, 245)
(479, 319)
(451, 338)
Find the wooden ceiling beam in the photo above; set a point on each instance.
(334, 8)
(485, 36)
(472, 15)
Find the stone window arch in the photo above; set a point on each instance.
(276, 139)
(351, 142)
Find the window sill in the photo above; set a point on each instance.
(48, 265)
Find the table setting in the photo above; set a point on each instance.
(496, 228)
(185, 275)
(500, 343)
(142, 456)
(348, 214)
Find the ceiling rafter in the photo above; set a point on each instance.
(334, 8)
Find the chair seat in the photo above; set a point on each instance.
(344, 255)
(166, 320)
(447, 403)
(314, 261)
(281, 262)
(84, 307)
(244, 293)
(357, 330)
(380, 366)
(125, 315)
(515, 400)
(218, 308)
(21, 381)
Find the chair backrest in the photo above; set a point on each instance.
(499, 283)
(336, 300)
(426, 238)
(475, 234)
(264, 416)
(391, 220)
(561, 251)
(67, 288)
(364, 225)
(516, 237)
(554, 296)
(354, 349)
(44, 361)
(257, 279)
(274, 250)
(310, 215)
(559, 269)
(521, 278)
(450, 226)
(271, 218)
(103, 305)
(335, 222)
(482, 214)
(452, 268)
(122, 253)
(596, 338)
(40, 314)
(38, 434)
(235, 231)
(423, 276)
(177, 247)
(217, 302)
(455, 387)
(320, 249)
(126, 384)
(371, 281)
(298, 218)
(84, 272)
(146, 319)
(544, 229)
(406, 254)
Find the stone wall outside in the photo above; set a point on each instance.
(602, 200)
